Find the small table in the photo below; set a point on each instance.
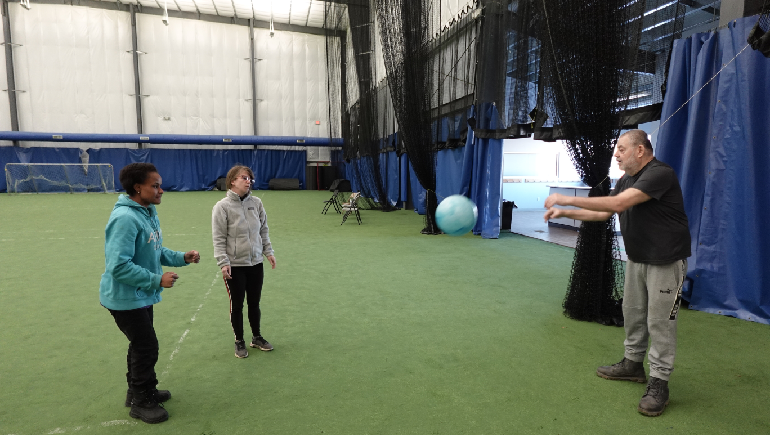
(567, 190)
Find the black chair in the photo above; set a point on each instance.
(333, 201)
(341, 185)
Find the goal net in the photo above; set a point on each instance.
(59, 177)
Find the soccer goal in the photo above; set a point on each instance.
(59, 177)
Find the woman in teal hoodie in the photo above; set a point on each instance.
(133, 280)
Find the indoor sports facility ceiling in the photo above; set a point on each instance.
(308, 13)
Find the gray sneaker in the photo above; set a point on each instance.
(260, 343)
(655, 398)
(240, 349)
(625, 370)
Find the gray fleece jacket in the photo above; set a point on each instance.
(239, 229)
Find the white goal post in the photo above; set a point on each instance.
(59, 177)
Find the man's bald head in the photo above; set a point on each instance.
(637, 137)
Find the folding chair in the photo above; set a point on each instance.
(333, 201)
(351, 207)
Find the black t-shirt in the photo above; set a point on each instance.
(655, 231)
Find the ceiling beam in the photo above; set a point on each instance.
(350, 2)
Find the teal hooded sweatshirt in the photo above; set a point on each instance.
(134, 255)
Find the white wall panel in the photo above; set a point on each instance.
(196, 75)
(291, 83)
(318, 89)
(77, 72)
(301, 116)
(286, 58)
(74, 68)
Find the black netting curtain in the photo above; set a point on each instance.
(350, 36)
(335, 23)
(588, 49)
(575, 69)
(405, 32)
(759, 38)
(659, 25)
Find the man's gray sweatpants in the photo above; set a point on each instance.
(651, 298)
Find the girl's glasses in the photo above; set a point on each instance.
(246, 178)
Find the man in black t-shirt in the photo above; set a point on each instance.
(653, 222)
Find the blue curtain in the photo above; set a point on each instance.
(449, 171)
(350, 174)
(338, 162)
(475, 170)
(389, 176)
(483, 167)
(403, 165)
(118, 158)
(361, 176)
(719, 144)
(383, 161)
(268, 164)
(392, 185)
(181, 169)
(188, 170)
(418, 192)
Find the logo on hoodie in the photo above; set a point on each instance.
(156, 236)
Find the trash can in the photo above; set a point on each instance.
(508, 207)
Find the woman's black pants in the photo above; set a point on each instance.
(142, 347)
(246, 283)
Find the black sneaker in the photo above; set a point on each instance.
(260, 343)
(655, 398)
(625, 370)
(240, 349)
(144, 407)
(160, 396)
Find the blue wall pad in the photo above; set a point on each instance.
(181, 169)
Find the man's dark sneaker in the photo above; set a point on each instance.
(260, 343)
(625, 370)
(144, 407)
(240, 349)
(655, 398)
(160, 396)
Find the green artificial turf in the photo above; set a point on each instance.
(377, 330)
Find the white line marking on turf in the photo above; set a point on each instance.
(179, 344)
(117, 423)
(184, 334)
(59, 430)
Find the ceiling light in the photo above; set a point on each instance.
(272, 29)
(165, 13)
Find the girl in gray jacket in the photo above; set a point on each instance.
(241, 243)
